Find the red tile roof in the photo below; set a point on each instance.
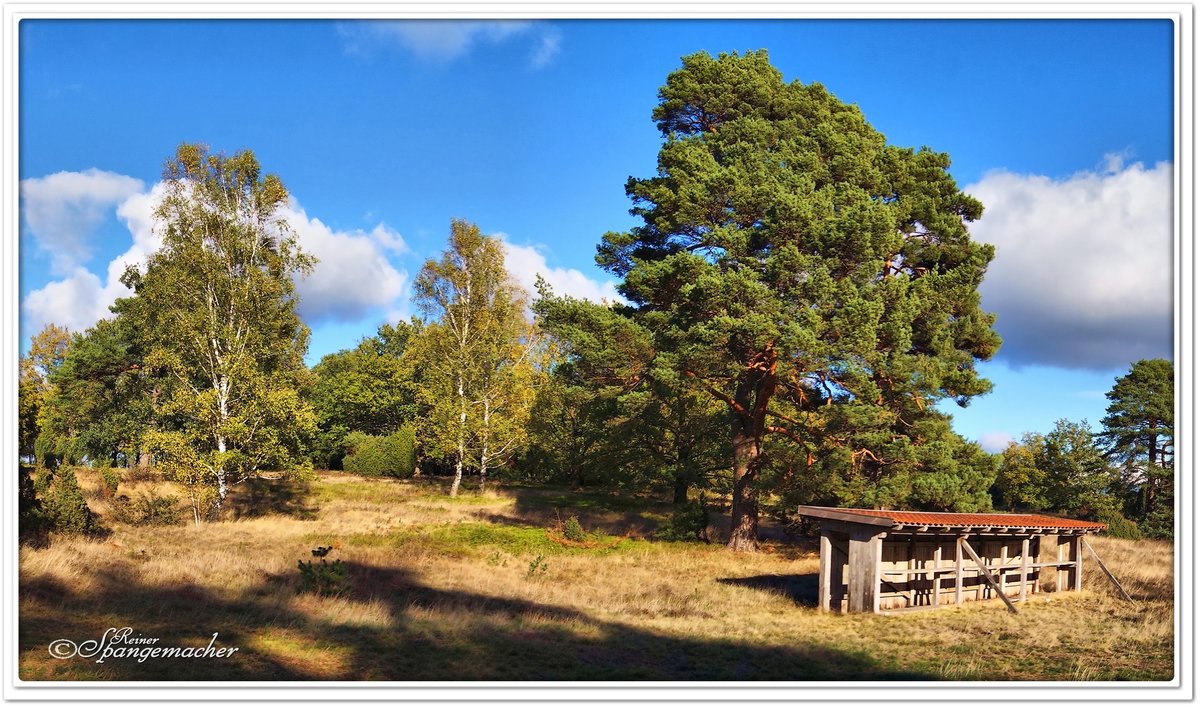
(974, 520)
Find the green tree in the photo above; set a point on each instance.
(646, 421)
(788, 258)
(100, 405)
(479, 354)
(371, 389)
(216, 305)
(47, 351)
(1021, 483)
(1062, 471)
(1139, 434)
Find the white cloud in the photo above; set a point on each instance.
(62, 210)
(995, 441)
(547, 47)
(447, 40)
(75, 302)
(1083, 270)
(353, 273)
(525, 263)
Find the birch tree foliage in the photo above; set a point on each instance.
(217, 306)
(478, 355)
(47, 351)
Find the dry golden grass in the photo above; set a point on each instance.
(474, 588)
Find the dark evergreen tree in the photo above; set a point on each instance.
(1139, 435)
(789, 259)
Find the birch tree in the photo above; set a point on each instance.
(478, 354)
(217, 306)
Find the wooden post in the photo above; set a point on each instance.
(1037, 571)
(1108, 574)
(937, 564)
(986, 574)
(823, 593)
(958, 570)
(910, 579)
(1077, 570)
(1058, 557)
(1003, 566)
(1024, 569)
(866, 555)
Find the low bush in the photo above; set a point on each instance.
(326, 578)
(371, 455)
(148, 509)
(110, 478)
(1119, 526)
(573, 531)
(688, 523)
(65, 509)
(32, 520)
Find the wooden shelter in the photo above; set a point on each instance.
(873, 561)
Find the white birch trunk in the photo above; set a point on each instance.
(486, 433)
(462, 446)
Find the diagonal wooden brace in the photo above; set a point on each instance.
(1108, 574)
(986, 574)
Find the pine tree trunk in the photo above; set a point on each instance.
(743, 529)
(748, 417)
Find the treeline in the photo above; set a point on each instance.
(799, 297)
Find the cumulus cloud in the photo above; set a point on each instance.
(62, 210)
(1083, 272)
(525, 263)
(352, 276)
(75, 302)
(447, 40)
(353, 273)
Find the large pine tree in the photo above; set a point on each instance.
(789, 259)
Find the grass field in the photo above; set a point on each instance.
(475, 588)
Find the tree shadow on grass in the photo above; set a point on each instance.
(391, 626)
(258, 497)
(800, 588)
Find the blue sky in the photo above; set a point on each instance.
(384, 131)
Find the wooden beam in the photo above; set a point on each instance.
(1108, 574)
(834, 514)
(866, 555)
(912, 563)
(958, 570)
(986, 574)
(1003, 562)
(823, 593)
(1024, 569)
(1076, 572)
(1036, 552)
(934, 576)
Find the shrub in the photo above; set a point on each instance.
(573, 531)
(32, 520)
(326, 579)
(148, 509)
(65, 508)
(370, 455)
(111, 478)
(688, 523)
(537, 568)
